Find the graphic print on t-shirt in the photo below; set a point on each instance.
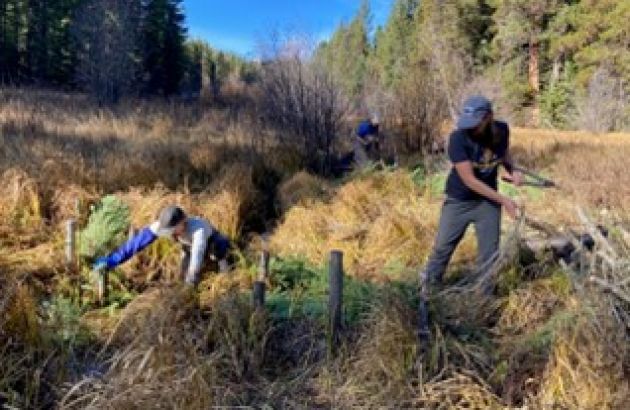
(485, 155)
(486, 160)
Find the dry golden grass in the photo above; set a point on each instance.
(22, 203)
(156, 366)
(301, 189)
(375, 220)
(165, 354)
(458, 392)
(378, 221)
(588, 365)
(62, 139)
(589, 168)
(551, 342)
(19, 313)
(377, 371)
(385, 367)
(227, 202)
(215, 287)
(530, 306)
(23, 348)
(234, 199)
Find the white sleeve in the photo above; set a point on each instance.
(197, 253)
(155, 228)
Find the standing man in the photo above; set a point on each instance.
(476, 149)
(366, 142)
(199, 241)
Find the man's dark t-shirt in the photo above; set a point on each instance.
(485, 153)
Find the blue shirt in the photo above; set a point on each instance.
(485, 152)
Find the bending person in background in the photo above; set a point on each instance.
(476, 149)
(366, 142)
(200, 242)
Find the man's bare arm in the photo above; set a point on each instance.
(465, 171)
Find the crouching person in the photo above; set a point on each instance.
(367, 147)
(200, 242)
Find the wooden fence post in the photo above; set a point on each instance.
(335, 301)
(71, 226)
(259, 284)
(101, 287)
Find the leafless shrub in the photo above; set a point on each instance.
(604, 107)
(302, 102)
(418, 108)
(428, 93)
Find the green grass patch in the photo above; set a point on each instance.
(560, 283)
(395, 268)
(419, 175)
(509, 280)
(435, 184)
(301, 289)
(541, 340)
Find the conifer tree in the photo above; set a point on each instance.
(346, 54)
(593, 33)
(107, 61)
(395, 44)
(163, 46)
(520, 36)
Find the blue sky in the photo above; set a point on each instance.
(239, 25)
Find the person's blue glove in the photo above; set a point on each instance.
(100, 265)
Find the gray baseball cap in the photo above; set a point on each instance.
(473, 111)
(169, 217)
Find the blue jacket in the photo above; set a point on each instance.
(134, 245)
(366, 128)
